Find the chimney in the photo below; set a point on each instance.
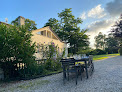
(21, 20)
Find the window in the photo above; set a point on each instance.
(38, 33)
(49, 34)
(42, 32)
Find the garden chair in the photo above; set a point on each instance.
(70, 67)
(90, 66)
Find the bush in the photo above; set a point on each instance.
(111, 50)
(48, 65)
(15, 47)
(70, 54)
(97, 52)
(120, 51)
(52, 56)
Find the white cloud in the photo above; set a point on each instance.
(114, 8)
(97, 12)
(103, 26)
(83, 15)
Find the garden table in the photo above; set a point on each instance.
(85, 60)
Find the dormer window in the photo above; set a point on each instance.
(38, 33)
(42, 33)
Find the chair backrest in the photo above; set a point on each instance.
(68, 62)
(90, 59)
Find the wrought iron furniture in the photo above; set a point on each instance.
(68, 66)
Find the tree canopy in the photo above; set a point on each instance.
(29, 24)
(117, 28)
(117, 31)
(68, 30)
(100, 41)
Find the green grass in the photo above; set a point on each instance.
(100, 57)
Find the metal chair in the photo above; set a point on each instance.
(70, 67)
(89, 67)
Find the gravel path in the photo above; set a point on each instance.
(106, 78)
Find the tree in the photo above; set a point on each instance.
(112, 44)
(100, 41)
(54, 24)
(15, 47)
(29, 24)
(117, 32)
(68, 30)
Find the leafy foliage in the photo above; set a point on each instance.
(117, 30)
(53, 57)
(117, 33)
(29, 24)
(54, 24)
(68, 30)
(120, 51)
(100, 41)
(112, 45)
(97, 52)
(107, 43)
(15, 47)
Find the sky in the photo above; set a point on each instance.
(97, 15)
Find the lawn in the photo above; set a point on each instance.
(100, 57)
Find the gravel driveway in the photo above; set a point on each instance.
(106, 78)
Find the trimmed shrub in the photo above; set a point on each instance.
(97, 52)
(111, 50)
(120, 51)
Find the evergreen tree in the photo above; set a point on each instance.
(68, 30)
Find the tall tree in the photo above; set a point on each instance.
(112, 44)
(117, 30)
(100, 41)
(29, 24)
(68, 30)
(54, 24)
(68, 23)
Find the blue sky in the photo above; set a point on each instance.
(96, 14)
(41, 10)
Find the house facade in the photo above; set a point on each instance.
(44, 35)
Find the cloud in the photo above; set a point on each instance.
(110, 14)
(114, 8)
(83, 15)
(97, 12)
(103, 26)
